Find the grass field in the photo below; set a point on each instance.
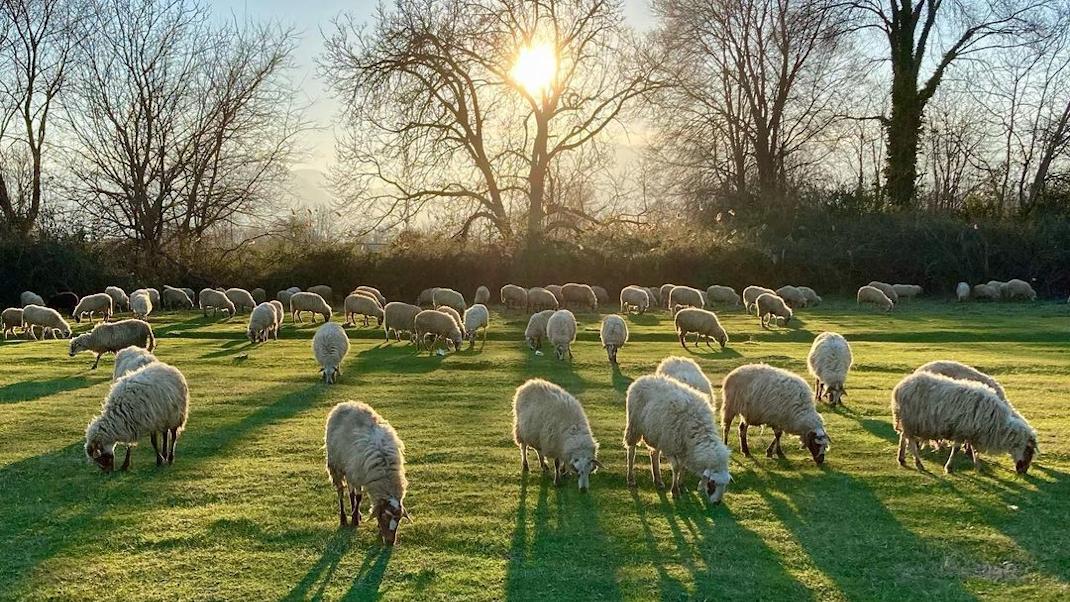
(247, 512)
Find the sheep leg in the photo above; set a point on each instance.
(631, 466)
(818, 388)
(523, 458)
(174, 440)
(655, 468)
(341, 508)
(774, 445)
(542, 460)
(96, 362)
(126, 461)
(355, 498)
(683, 339)
(972, 453)
(914, 452)
(950, 457)
(677, 477)
(726, 424)
(902, 456)
(156, 448)
(557, 472)
(743, 447)
(166, 444)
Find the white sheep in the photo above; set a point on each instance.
(439, 324)
(141, 304)
(687, 371)
(283, 297)
(960, 371)
(985, 291)
(323, 291)
(129, 359)
(374, 292)
(172, 298)
(812, 298)
(399, 317)
(12, 319)
(449, 297)
(792, 296)
(763, 395)
(365, 455)
(829, 362)
(703, 323)
(722, 294)
(153, 399)
(190, 293)
(476, 318)
(262, 321)
(482, 296)
(539, 299)
(685, 296)
(241, 299)
(751, 293)
(98, 303)
(601, 294)
(209, 298)
(310, 302)
(664, 295)
(47, 319)
(1017, 289)
(514, 297)
(535, 332)
(362, 305)
(453, 313)
(580, 296)
(280, 315)
(561, 332)
(962, 291)
(771, 308)
(118, 295)
(674, 419)
(614, 335)
(259, 295)
(549, 420)
(330, 345)
(907, 291)
(872, 295)
(30, 298)
(634, 298)
(111, 337)
(887, 289)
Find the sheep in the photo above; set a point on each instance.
(64, 301)
(427, 297)
(558, 292)
(722, 294)
(539, 299)
(98, 303)
(280, 315)
(829, 362)
(580, 296)
(47, 318)
(12, 319)
(110, 337)
(439, 324)
(673, 419)
(760, 394)
(549, 420)
(960, 371)
(323, 291)
(259, 295)
(601, 294)
(154, 296)
(962, 291)
(30, 298)
(664, 294)
(450, 297)
(129, 359)
(770, 307)
(261, 323)
(283, 297)
(211, 298)
(482, 296)
(374, 291)
(141, 304)
(685, 296)
(536, 329)
(613, 334)
(514, 296)
(812, 298)
(330, 345)
(240, 298)
(153, 399)
(687, 371)
(173, 298)
(561, 332)
(997, 285)
(985, 291)
(792, 296)
(365, 454)
(475, 318)
(399, 317)
(907, 291)
(874, 296)
(191, 294)
(751, 293)
(634, 297)
(310, 302)
(932, 406)
(887, 289)
(655, 296)
(703, 323)
(293, 289)
(362, 305)
(1017, 289)
(453, 313)
(118, 295)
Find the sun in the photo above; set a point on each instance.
(535, 68)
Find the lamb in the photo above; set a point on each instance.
(688, 372)
(211, 298)
(12, 319)
(129, 359)
(427, 297)
(986, 291)
(450, 297)
(118, 296)
(703, 323)
(539, 299)
(601, 294)
(475, 318)
(751, 293)
(441, 325)
(761, 395)
(549, 420)
(152, 399)
(558, 292)
(536, 329)
(792, 296)
(770, 308)
(1017, 289)
(812, 298)
(685, 296)
(99, 303)
(362, 305)
(962, 291)
(933, 406)
(907, 291)
(887, 289)
(310, 302)
(580, 296)
(110, 337)
(30, 298)
(614, 334)
(173, 298)
(365, 454)
(141, 304)
(374, 291)
(482, 296)
(561, 332)
(874, 296)
(722, 294)
(64, 301)
(262, 323)
(259, 295)
(240, 298)
(514, 296)
(323, 291)
(665, 294)
(280, 315)
(47, 318)
(674, 419)
(634, 298)
(829, 362)
(330, 345)
(399, 317)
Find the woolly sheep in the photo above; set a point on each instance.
(792, 296)
(374, 291)
(259, 295)
(907, 291)
(64, 301)
(751, 293)
(190, 293)
(536, 329)
(634, 297)
(996, 285)
(887, 289)
(119, 297)
(482, 296)
(687, 371)
(450, 297)
(664, 295)
(764, 395)
(280, 315)
(549, 420)
(241, 299)
(453, 313)
(427, 297)
(874, 296)
(283, 297)
(362, 305)
(323, 291)
(1017, 289)
(685, 296)
(829, 361)
(580, 296)
(931, 406)
(770, 307)
(539, 299)
(703, 323)
(153, 399)
(962, 291)
(45, 317)
(514, 296)
(141, 304)
(173, 298)
(601, 294)
(985, 291)
(561, 332)
(960, 371)
(722, 294)
(440, 324)
(261, 323)
(674, 419)
(812, 298)
(110, 337)
(12, 319)
(211, 298)
(98, 303)
(30, 298)
(154, 296)
(558, 292)
(129, 359)
(613, 334)
(330, 345)
(399, 317)
(475, 318)
(293, 289)
(365, 455)
(655, 296)
(310, 302)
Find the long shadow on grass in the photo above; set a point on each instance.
(36, 389)
(320, 575)
(370, 575)
(229, 348)
(395, 358)
(548, 367)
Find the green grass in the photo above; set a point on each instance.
(247, 512)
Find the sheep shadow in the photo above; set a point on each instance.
(321, 574)
(395, 358)
(618, 380)
(882, 429)
(713, 353)
(31, 390)
(230, 347)
(370, 575)
(643, 319)
(560, 372)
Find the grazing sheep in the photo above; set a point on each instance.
(634, 298)
(907, 291)
(549, 420)
(98, 303)
(362, 305)
(665, 295)
(997, 285)
(580, 296)
(960, 371)
(703, 323)
(962, 291)
(561, 332)
(601, 294)
(47, 318)
(482, 296)
(792, 296)
(932, 406)
(874, 296)
(323, 291)
(330, 345)
(887, 289)
(261, 323)
(259, 295)
(141, 304)
(655, 295)
(674, 419)
(118, 295)
(293, 289)
(12, 319)
(829, 361)
(439, 324)
(30, 298)
(284, 297)
(687, 371)
(175, 298)
(280, 315)
(812, 298)
(400, 317)
(722, 294)
(761, 395)
(986, 291)
(558, 292)
(310, 302)
(770, 308)
(211, 298)
(1017, 289)
(65, 301)
(374, 291)
(154, 296)
(427, 297)
(153, 399)
(536, 329)
(475, 318)
(190, 293)
(751, 293)
(129, 359)
(110, 337)
(539, 299)
(614, 334)
(685, 296)
(365, 454)
(514, 297)
(453, 313)
(241, 299)
(449, 297)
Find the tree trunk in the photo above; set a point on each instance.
(537, 180)
(903, 133)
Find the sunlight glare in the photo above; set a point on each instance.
(535, 68)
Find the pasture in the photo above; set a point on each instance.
(247, 512)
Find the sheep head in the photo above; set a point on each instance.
(818, 443)
(103, 455)
(388, 513)
(714, 484)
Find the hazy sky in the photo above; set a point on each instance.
(309, 18)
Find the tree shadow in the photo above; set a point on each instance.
(643, 319)
(31, 390)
